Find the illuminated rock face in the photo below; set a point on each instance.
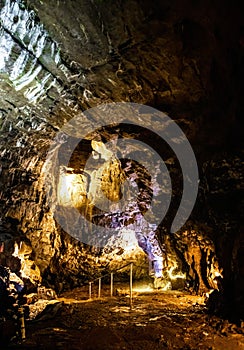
(61, 58)
(113, 196)
(29, 57)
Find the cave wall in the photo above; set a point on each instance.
(183, 57)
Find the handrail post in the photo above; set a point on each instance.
(111, 284)
(90, 290)
(22, 323)
(131, 284)
(99, 287)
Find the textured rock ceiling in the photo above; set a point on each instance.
(185, 58)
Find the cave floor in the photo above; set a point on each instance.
(158, 320)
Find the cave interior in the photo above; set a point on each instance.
(116, 118)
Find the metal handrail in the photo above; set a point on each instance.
(108, 274)
(99, 279)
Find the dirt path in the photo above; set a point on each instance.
(158, 320)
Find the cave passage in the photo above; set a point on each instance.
(121, 162)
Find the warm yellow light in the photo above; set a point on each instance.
(125, 239)
(208, 293)
(26, 269)
(166, 287)
(143, 289)
(170, 271)
(16, 250)
(218, 274)
(71, 190)
(16, 254)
